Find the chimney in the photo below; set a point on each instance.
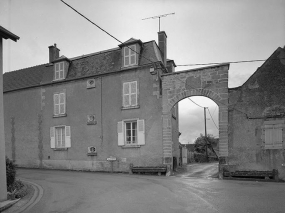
(162, 38)
(53, 53)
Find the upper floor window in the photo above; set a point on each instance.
(130, 94)
(130, 56)
(59, 104)
(59, 71)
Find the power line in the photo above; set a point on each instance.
(213, 119)
(195, 102)
(229, 62)
(134, 50)
(104, 30)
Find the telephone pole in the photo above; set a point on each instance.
(206, 141)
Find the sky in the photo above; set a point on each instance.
(199, 32)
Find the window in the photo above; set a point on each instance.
(60, 137)
(272, 134)
(131, 132)
(59, 71)
(130, 56)
(59, 104)
(130, 94)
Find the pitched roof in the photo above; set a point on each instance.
(6, 34)
(104, 62)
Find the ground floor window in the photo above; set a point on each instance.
(273, 134)
(131, 132)
(60, 137)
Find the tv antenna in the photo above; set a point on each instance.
(160, 16)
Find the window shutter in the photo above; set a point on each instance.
(56, 103)
(133, 93)
(126, 94)
(62, 103)
(120, 134)
(268, 136)
(277, 136)
(141, 132)
(52, 138)
(67, 137)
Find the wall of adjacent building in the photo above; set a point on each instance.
(251, 105)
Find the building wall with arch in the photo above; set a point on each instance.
(211, 82)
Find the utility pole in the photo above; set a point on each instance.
(206, 142)
(154, 17)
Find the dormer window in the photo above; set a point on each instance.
(59, 71)
(130, 58)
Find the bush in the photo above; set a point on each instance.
(10, 172)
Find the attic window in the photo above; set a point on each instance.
(130, 58)
(59, 71)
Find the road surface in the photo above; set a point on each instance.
(84, 192)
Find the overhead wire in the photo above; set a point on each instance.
(144, 56)
(212, 119)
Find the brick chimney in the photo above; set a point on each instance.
(53, 53)
(162, 44)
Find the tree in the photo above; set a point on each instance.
(200, 145)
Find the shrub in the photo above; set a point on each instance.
(10, 172)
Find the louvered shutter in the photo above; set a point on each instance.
(67, 137)
(126, 94)
(277, 136)
(61, 76)
(141, 132)
(62, 103)
(133, 93)
(120, 130)
(268, 136)
(56, 104)
(52, 137)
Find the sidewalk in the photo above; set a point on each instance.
(35, 193)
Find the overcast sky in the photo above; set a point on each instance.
(199, 32)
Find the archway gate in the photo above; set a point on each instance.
(211, 82)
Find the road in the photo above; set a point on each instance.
(84, 192)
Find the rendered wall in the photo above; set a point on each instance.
(29, 116)
(262, 99)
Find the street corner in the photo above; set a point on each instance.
(34, 193)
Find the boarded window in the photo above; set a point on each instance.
(273, 136)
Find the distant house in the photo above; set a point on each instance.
(257, 119)
(80, 113)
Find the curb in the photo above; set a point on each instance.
(25, 206)
(7, 204)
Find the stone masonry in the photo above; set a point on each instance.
(211, 82)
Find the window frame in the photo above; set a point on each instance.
(129, 94)
(131, 52)
(62, 138)
(131, 142)
(60, 104)
(59, 71)
(65, 135)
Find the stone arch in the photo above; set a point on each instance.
(211, 82)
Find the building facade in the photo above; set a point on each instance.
(98, 112)
(257, 119)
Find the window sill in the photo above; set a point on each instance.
(58, 116)
(54, 80)
(131, 107)
(129, 67)
(130, 146)
(60, 149)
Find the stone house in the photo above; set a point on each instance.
(80, 113)
(257, 119)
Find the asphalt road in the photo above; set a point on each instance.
(80, 192)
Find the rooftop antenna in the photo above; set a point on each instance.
(154, 17)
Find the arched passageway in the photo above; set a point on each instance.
(211, 82)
